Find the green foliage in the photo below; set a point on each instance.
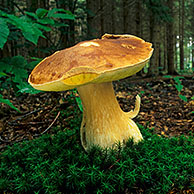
(78, 100)
(178, 85)
(4, 32)
(32, 25)
(15, 74)
(58, 164)
(6, 101)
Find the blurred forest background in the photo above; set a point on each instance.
(33, 29)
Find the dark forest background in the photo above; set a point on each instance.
(33, 29)
(168, 24)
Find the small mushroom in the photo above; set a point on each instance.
(91, 66)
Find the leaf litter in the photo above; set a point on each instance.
(162, 109)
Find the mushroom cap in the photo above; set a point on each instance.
(107, 59)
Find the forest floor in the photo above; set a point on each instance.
(162, 110)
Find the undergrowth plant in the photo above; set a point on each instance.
(58, 164)
(30, 27)
(178, 85)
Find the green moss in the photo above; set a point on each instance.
(58, 164)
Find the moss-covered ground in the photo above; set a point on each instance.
(58, 164)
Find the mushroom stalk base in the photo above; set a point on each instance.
(103, 122)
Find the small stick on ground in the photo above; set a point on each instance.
(23, 116)
(49, 125)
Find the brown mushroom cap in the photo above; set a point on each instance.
(100, 60)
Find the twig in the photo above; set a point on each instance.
(11, 141)
(20, 118)
(49, 125)
(29, 123)
(18, 7)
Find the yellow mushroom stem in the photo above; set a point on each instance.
(103, 122)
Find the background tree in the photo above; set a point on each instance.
(168, 24)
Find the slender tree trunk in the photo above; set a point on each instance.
(67, 33)
(165, 51)
(138, 18)
(108, 15)
(138, 25)
(181, 33)
(93, 17)
(43, 43)
(193, 55)
(72, 7)
(90, 18)
(125, 14)
(175, 52)
(32, 5)
(155, 40)
(113, 16)
(102, 5)
(170, 42)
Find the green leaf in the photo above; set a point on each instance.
(6, 101)
(5, 67)
(4, 32)
(32, 33)
(167, 76)
(63, 16)
(177, 79)
(31, 14)
(3, 74)
(42, 27)
(79, 103)
(40, 12)
(26, 88)
(2, 13)
(52, 12)
(30, 37)
(60, 24)
(46, 21)
(29, 31)
(179, 87)
(18, 61)
(184, 98)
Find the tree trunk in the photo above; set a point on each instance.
(170, 42)
(138, 18)
(193, 56)
(90, 18)
(93, 15)
(102, 8)
(175, 51)
(181, 33)
(32, 5)
(108, 15)
(155, 40)
(165, 51)
(43, 43)
(113, 16)
(125, 14)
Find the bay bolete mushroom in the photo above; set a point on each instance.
(91, 66)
